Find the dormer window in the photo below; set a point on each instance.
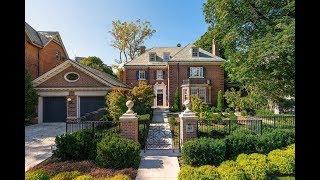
(166, 56)
(152, 56)
(195, 52)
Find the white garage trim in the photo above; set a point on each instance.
(40, 102)
(90, 93)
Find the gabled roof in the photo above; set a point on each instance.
(42, 38)
(177, 54)
(100, 76)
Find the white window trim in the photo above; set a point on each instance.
(201, 72)
(158, 75)
(144, 72)
(166, 53)
(65, 77)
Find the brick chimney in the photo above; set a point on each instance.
(215, 50)
(142, 49)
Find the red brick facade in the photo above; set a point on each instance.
(39, 60)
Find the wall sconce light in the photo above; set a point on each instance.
(69, 99)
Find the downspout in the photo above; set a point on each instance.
(38, 63)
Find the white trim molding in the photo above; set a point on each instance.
(90, 93)
(65, 76)
(162, 87)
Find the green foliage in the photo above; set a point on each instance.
(254, 165)
(220, 102)
(204, 172)
(116, 152)
(281, 162)
(84, 177)
(172, 122)
(241, 141)
(66, 175)
(142, 96)
(79, 145)
(30, 97)
(275, 139)
(230, 170)
(120, 177)
(258, 40)
(263, 112)
(203, 151)
(116, 104)
(97, 63)
(144, 118)
(38, 174)
(176, 101)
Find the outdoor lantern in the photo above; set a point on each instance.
(69, 99)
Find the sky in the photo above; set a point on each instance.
(84, 25)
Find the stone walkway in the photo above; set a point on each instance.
(159, 161)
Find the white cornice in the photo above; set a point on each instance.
(75, 89)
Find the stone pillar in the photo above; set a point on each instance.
(188, 124)
(72, 106)
(129, 123)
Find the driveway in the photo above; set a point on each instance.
(39, 139)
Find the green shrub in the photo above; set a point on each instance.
(66, 175)
(282, 161)
(176, 101)
(172, 122)
(144, 118)
(84, 177)
(263, 112)
(120, 177)
(229, 170)
(38, 174)
(220, 102)
(79, 145)
(203, 151)
(116, 152)
(116, 103)
(206, 172)
(254, 165)
(240, 141)
(30, 97)
(274, 139)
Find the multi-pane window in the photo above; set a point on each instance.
(159, 74)
(195, 52)
(199, 92)
(196, 72)
(152, 56)
(166, 56)
(142, 75)
(184, 94)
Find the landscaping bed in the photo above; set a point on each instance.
(54, 166)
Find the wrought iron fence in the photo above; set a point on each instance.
(257, 124)
(143, 132)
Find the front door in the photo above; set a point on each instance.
(159, 97)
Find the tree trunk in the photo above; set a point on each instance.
(125, 55)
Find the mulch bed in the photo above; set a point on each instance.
(54, 166)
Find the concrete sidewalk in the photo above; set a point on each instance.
(158, 164)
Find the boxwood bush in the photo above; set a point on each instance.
(79, 145)
(282, 161)
(203, 172)
(231, 170)
(38, 174)
(275, 139)
(240, 141)
(254, 165)
(66, 175)
(117, 152)
(203, 151)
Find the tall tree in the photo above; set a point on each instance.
(128, 36)
(258, 39)
(97, 63)
(30, 97)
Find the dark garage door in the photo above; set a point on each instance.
(54, 109)
(92, 103)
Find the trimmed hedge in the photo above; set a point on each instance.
(231, 170)
(282, 161)
(204, 172)
(79, 145)
(38, 174)
(203, 151)
(254, 165)
(116, 152)
(275, 139)
(66, 175)
(240, 141)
